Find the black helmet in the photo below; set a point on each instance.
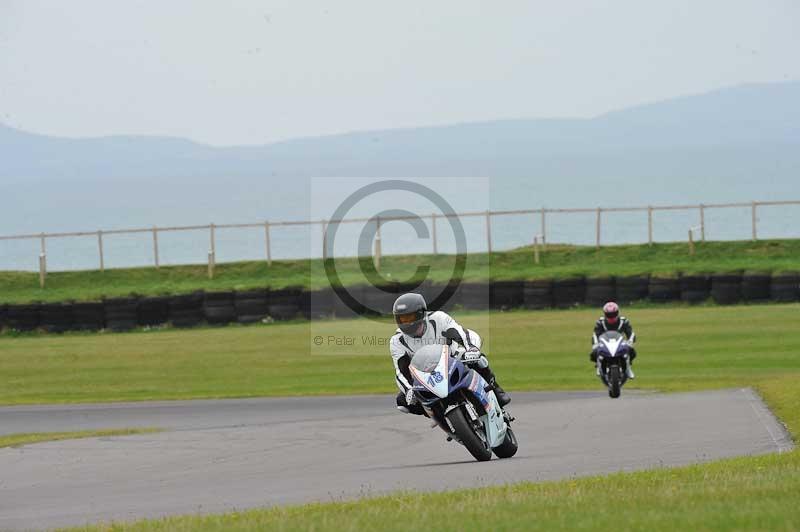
(409, 313)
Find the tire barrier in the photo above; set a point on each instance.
(473, 296)
(695, 288)
(55, 317)
(600, 290)
(756, 287)
(663, 289)
(251, 305)
(219, 308)
(537, 294)
(569, 292)
(505, 295)
(23, 317)
(785, 287)
(153, 311)
(317, 304)
(284, 304)
(88, 316)
(726, 289)
(630, 289)
(186, 310)
(121, 313)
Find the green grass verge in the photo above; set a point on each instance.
(18, 440)
(682, 348)
(747, 493)
(558, 261)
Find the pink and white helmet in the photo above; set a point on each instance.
(611, 311)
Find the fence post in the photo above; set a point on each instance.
(212, 239)
(42, 269)
(489, 232)
(267, 243)
(536, 249)
(324, 227)
(210, 264)
(544, 227)
(433, 229)
(597, 227)
(377, 255)
(100, 249)
(691, 243)
(702, 223)
(650, 225)
(42, 244)
(155, 245)
(753, 215)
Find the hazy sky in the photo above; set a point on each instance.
(252, 72)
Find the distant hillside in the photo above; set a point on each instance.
(741, 131)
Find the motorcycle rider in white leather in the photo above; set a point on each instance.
(416, 328)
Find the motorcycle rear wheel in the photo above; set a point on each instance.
(476, 446)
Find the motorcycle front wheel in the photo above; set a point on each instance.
(508, 448)
(466, 434)
(614, 381)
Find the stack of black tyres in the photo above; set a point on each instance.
(505, 295)
(378, 300)
(756, 287)
(473, 296)
(186, 310)
(630, 289)
(695, 288)
(785, 287)
(569, 292)
(284, 304)
(56, 317)
(3, 316)
(219, 308)
(726, 289)
(317, 304)
(23, 317)
(153, 311)
(600, 290)
(537, 294)
(251, 305)
(663, 289)
(121, 313)
(88, 316)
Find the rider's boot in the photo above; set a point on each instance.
(629, 371)
(597, 369)
(488, 375)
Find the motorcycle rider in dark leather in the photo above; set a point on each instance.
(416, 328)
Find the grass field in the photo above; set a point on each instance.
(681, 349)
(16, 440)
(558, 261)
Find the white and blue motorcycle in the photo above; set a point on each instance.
(462, 403)
(613, 358)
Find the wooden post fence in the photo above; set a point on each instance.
(377, 256)
(101, 235)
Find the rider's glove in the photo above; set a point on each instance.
(411, 397)
(473, 354)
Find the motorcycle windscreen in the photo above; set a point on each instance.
(430, 368)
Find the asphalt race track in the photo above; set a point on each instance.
(217, 456)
